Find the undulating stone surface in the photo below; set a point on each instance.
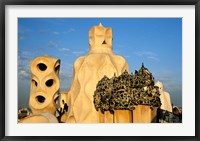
(164, 97)
(88, 70)
(40, 118)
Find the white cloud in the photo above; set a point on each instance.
(126, 56)
(52, 44)
(23, 33)
(21, 37)
(147, 54)
(24, 58)
(153, 58)
(24, 74)
(43, 31)
(64, 49)
(47, 32)
(56, 33)
(77, 53)
(65, 79)
(71, 30)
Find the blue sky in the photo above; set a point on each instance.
(157, 42)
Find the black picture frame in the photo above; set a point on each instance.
(3, 4)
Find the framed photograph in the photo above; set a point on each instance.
(115, 42)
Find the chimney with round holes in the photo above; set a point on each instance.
(45, 84)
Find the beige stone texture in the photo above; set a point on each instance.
(106, 117)
(144, 114)
(45, 84)
(64, 118)
(164, 97)
(88, 70)
(123, 116)
(40, 118)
